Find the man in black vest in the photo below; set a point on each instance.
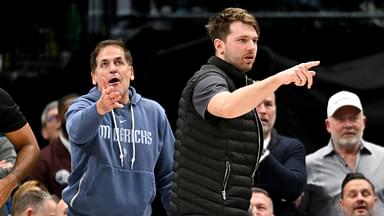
(219, 136)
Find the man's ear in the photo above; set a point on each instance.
(341, 204)
(93, 76)
(219, 47)
(44, 133)
(327, 125)
(132, 73)
(28, 211)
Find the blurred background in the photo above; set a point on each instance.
(45, 47)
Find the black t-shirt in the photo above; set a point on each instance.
(11, 118)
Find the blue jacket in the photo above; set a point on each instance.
(118, 160)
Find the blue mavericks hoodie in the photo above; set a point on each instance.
(119, 160)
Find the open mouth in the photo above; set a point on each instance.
(360, 210)
(114, 81)
(249, 56)
(263, 119)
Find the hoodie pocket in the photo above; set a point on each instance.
(115, 191)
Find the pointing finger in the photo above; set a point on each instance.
(311, 64)
(104, 83)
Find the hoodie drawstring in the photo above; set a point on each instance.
(133, 139)
(118, 140)
(121, 156)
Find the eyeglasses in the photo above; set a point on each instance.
(52, 118)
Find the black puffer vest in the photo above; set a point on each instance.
(215, 160)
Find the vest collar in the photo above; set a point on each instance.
(238, 77)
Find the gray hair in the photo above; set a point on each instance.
(49, 106)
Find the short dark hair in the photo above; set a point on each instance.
(218, 25)
(260, 190)
(110, 42)
(352, 176)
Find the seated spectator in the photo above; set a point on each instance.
(346, 152)
(54, 165)
(261, 203)
(35, 202)
(23, 188)
(50, 123)
(357, 195)
(282, 163)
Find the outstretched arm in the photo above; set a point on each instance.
(236, 103)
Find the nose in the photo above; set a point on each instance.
(348, 124)
(360, 196)
(261, 108)
(251, 45)
(112, 68)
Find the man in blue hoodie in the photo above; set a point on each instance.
(121, 143)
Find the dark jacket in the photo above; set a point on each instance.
(53, 167)
(214, 159)
(283, 173)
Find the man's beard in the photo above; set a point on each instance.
(348, 142)
(266, 128)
